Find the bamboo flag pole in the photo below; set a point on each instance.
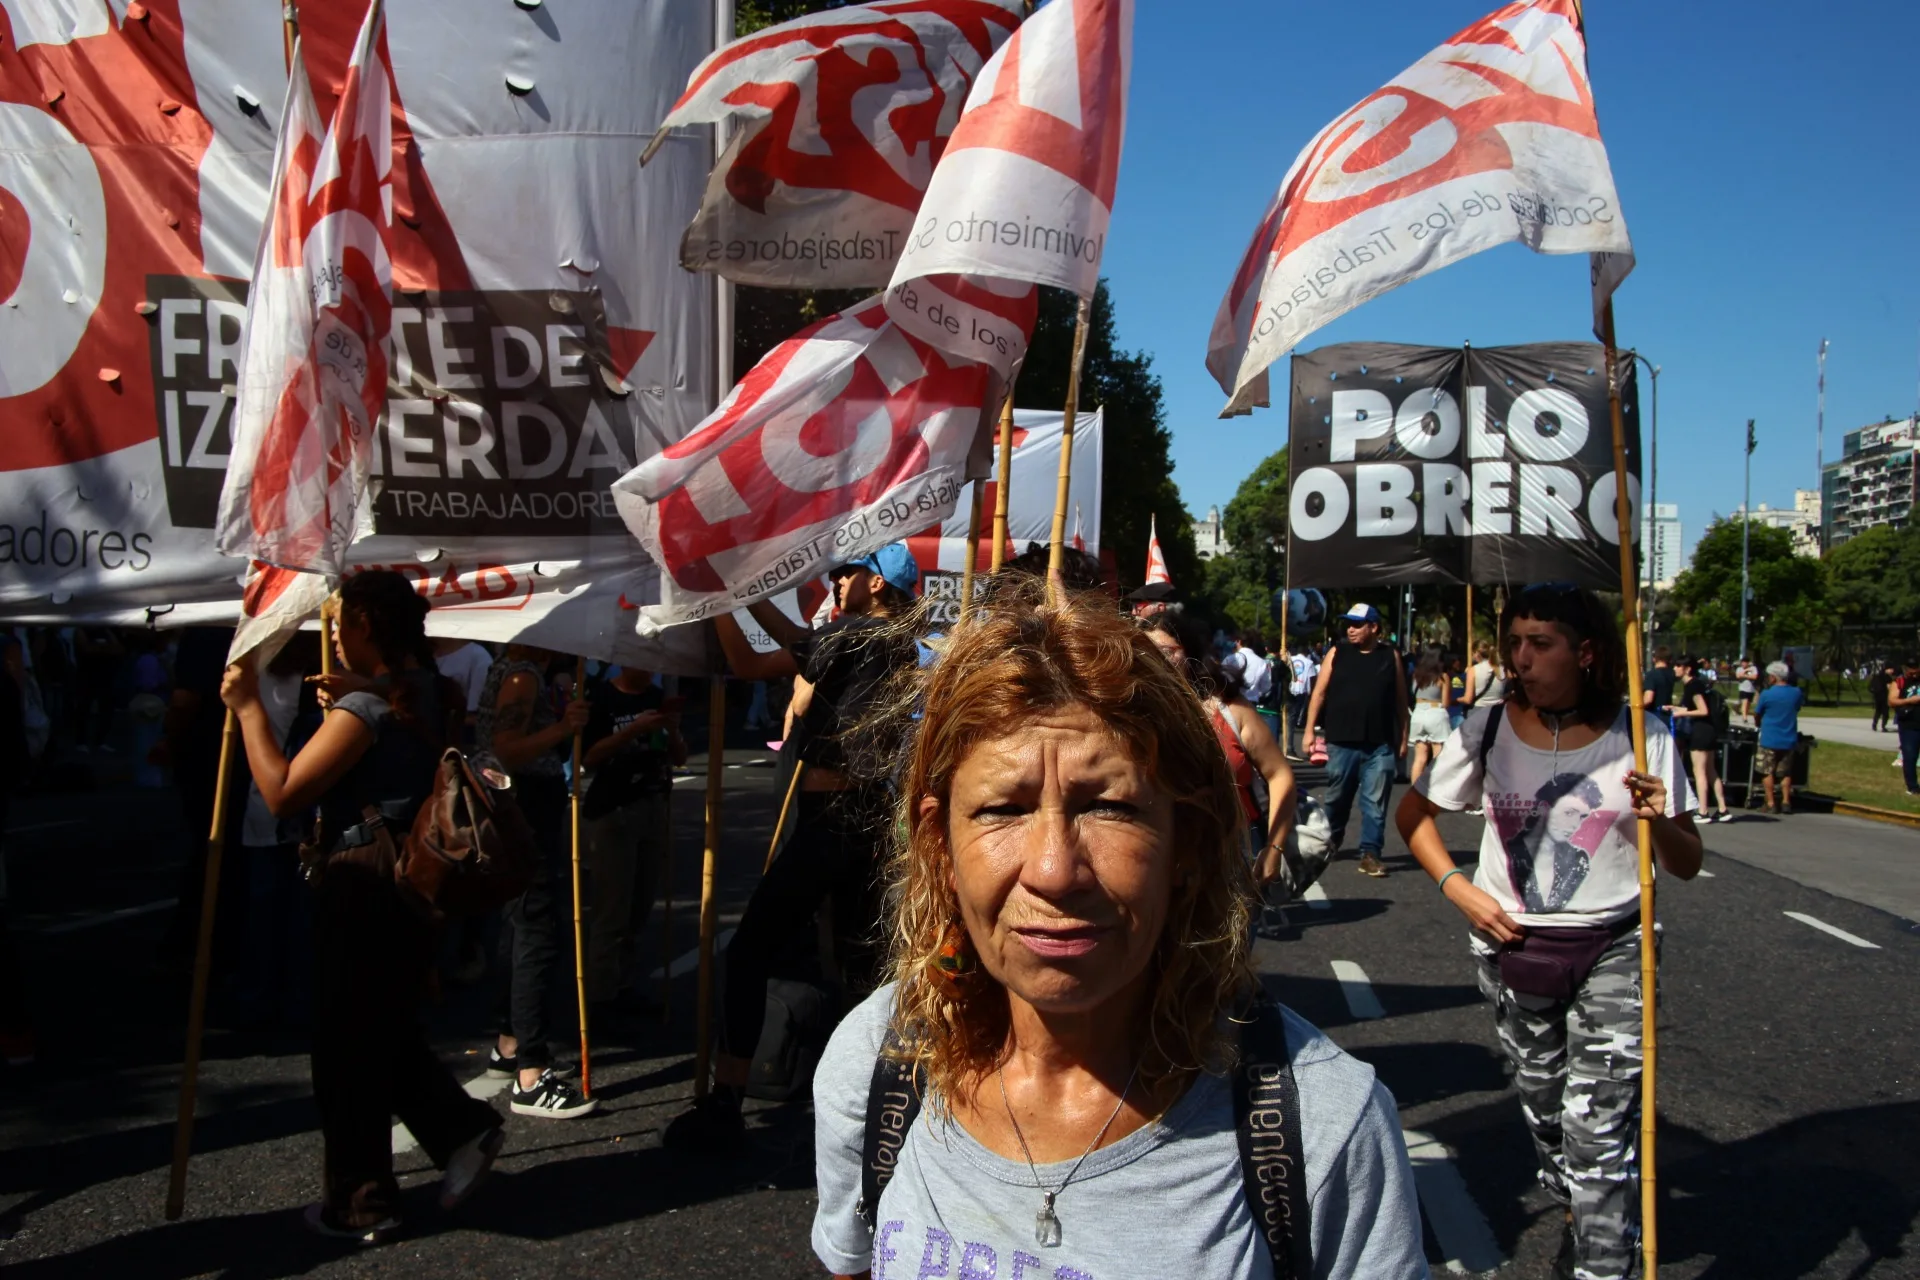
(579, 936)
(973, 549)
(1058, 537)
(202, 962)
(1004, 484)
(709, 865)
(1649, 1012)
(1467, 647)
(1285, 658)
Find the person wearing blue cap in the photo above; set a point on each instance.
(1360, 705)
(840, 830)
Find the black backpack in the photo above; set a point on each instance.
(1266, 1117)
(1717, 713)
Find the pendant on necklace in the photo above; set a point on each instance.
(1046, 1224)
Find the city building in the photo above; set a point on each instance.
(1661, 543)
(1872, 482)
(1802, 521)
(1209, 537)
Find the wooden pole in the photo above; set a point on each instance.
(1004, 484)
(780, 822)
(579, 928)
(202, 964)
(1286, 657)
(666, 928)
(1649, 1012)
(1060, 494)
(709, 864)
(1467, 648)
(973, 548)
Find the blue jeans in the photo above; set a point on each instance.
(1909, 749)
(1368, 773)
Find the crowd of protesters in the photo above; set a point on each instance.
(316, 932)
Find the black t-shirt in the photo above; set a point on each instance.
(1659, 682)
(1907, 717)
(639, 769)
(1360, 708)
(1702, 728)
(848, 662)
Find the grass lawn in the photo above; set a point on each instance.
(1860, 774)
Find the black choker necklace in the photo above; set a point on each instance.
(1558, 713)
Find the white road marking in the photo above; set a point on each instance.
(1705, 874)
(1358, 990)
(685, 964)
(481, 1087)
(109, 917)
(1466, 1242)
(1316, 897)
(1824, 927)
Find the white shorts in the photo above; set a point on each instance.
(1430, 723)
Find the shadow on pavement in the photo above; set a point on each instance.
(1782, 1202)
(551, 1201)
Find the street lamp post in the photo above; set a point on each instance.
(1746, 538)
(1653, 512)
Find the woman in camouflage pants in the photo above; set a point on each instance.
(1554, 900)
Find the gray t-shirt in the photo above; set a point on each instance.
(1166, 1200)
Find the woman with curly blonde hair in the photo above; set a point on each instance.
(1071, 981)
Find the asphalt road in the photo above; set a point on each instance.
(1790, 1078)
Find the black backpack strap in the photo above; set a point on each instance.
(1273, 1168)
(1495, 714)
(893, 1102)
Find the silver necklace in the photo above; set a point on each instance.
(1046, 1223)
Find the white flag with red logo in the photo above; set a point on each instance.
(273, 605)
(1024, 192)
(313, 373)
(847, 436)
(1156, 563)
(1490, 138)
(845, 114)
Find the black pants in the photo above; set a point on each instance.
(834, 853)
(1882, 714)
(530, 931)
(371, 1060)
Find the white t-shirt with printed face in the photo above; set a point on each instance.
(1560, 846)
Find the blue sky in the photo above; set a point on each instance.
(1768, 160)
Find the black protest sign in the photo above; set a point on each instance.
(1455, 465)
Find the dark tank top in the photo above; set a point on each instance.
(1359, 709)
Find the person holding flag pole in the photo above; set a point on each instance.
(1507, 124)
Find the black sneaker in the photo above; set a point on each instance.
(714, 1125)
(552, 1098)
(1563, 1264)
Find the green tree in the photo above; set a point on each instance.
(1241, 583)
(1137, 486)
(1875, 576)
(1789, 591)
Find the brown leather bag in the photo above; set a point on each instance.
(471, 848)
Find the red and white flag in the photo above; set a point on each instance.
(1156, 563)
(313, 373)
(1490, 138)
(847, 436)
(1079, 540)
(845, 114)
(1025, 190)
(273, 605)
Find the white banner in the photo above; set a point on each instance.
(545, 338)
